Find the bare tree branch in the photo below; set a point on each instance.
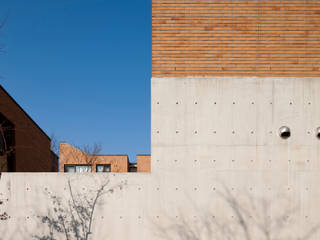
(262, 218)
(75, 220)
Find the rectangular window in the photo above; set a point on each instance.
(69, 168)
(103, 167)
(83, 168)
(77, 168)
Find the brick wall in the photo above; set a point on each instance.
(143, 163)
(32, 145)
(73, 156)
(235, 38)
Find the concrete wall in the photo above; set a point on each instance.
(216, 155)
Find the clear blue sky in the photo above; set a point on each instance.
(81, 69)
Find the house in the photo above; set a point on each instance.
(24, 146)
(73, 159)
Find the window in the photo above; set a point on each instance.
(103, 168)
(83, 168)
(77, 168)
(69, 168)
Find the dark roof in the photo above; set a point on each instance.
(23, 110)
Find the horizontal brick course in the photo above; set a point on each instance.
(235, 38)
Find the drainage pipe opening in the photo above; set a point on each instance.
(285, 132)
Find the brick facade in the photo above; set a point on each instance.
(31, 145)
(70, 155)
(143, 163)
(235, 38)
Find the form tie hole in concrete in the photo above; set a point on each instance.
(195, 102)
(215, 103)
(284, 132)
(318, 132)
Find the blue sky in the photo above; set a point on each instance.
(81, 69)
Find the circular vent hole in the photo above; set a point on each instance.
(318, 133)
(284, 132)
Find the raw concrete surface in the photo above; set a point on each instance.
(219, 168)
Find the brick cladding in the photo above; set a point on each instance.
(32, 145)
(235, 38)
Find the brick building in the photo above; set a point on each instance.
(73, 159)
(143, 163)
(24, 146)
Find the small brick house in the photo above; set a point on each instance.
(24, 146)
(72, 159)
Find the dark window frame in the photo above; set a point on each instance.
(76, 165)
(105, 166)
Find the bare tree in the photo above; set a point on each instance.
(6, 150)
(2, 23)
(74, 220)
(6, 145)
(54, 144)
(87, 155)
(90, 153)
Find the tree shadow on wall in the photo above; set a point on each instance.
(74, 220)
(244, 217)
